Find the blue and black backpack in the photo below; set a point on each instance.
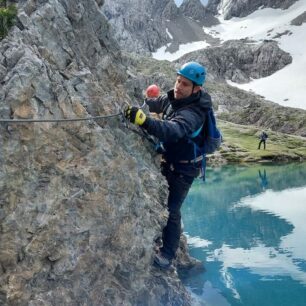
(211, 139)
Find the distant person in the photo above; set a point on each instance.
(262, 139)
(263, 179)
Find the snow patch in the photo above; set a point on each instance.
(162, 54)
(288, 86)
(169, 34)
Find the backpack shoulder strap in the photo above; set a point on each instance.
(197, 132)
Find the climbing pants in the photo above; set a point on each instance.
(179, 185)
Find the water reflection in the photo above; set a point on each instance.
(248, 225)
(263, 179)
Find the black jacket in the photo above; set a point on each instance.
(183, 118)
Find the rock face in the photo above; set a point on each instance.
(197, 11)
(238, 61)
(299, 20)
(275, 117)
(143, 26)
(242, 8)
(80, 202)
(139, 26)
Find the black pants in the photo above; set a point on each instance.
(260, 142)
(179, 185)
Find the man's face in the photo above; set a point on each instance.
(183, 88)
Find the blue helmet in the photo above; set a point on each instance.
(194, 72)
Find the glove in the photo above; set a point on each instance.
(135, 115)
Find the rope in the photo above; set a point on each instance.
(142, 133)
(63, 120)
(58, 120)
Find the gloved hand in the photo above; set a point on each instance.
(135, 115)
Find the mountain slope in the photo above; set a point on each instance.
(143, 26)
(242, 8)
(288, 29)
(137, 24)
(198, 12)
(240, 62)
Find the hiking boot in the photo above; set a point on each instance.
(161, 261)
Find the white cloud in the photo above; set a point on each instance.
(272, 261)
(197, 242)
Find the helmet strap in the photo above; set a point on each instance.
(193, 86)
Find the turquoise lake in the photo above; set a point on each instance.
(247, 224)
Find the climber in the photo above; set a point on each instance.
(183, 112)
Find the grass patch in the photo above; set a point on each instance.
(241, 142)
(8, 15)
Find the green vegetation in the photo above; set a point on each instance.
(241, 143)
(8, 15)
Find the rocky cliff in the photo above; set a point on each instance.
(80, 202)
(242, 8)
(143, 26)
(197, 11)
(139, 26)
(136, 25)
(239, 61)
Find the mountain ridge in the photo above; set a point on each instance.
(242, 8)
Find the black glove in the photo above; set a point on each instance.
(135, 115)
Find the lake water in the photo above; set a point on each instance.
(248, 225)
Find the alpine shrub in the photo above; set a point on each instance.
(8, 15)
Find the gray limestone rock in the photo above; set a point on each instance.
(144, 26)
(299, 20)
(197, 11)
(238, 61)
(242, 8)
(81, 203)
(139, 26)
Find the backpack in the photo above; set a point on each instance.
(211, 142)
(263, 136)
(210, 135)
